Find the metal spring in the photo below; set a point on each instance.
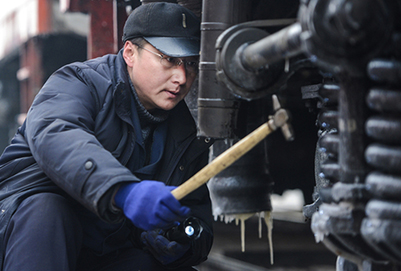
(380, 228)
(329, 140)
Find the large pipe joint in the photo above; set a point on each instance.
(245, 74)
(343, 35)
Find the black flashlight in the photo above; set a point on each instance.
(190, 229)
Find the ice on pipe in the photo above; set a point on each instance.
(241, 218)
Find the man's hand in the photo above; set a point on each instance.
(162, 249)
(150, 205)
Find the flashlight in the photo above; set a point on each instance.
(190, 229)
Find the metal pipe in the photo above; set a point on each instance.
(280, 45)
(217, 107)
(352, 116)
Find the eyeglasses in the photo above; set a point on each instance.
(191, 66)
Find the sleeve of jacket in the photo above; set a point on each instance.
(60, 132)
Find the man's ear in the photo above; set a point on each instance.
(128, 53)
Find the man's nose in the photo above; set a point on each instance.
(180, 74)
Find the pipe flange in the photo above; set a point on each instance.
(244, 83)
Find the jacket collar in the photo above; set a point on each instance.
(122, 93)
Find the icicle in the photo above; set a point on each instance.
(260, 215)
(269, 222)
(242, 218)
(287, 65)
(243, 235)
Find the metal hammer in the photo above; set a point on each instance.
(280, 119)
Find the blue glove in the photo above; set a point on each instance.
(150, 205)
(162, 249)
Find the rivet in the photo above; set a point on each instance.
(88, 165)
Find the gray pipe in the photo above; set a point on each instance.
(217, 107)
(280, 45)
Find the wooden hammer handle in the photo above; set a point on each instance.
(223, 161)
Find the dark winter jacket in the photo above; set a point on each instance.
(78, 137)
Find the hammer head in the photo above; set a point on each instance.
(281, 118)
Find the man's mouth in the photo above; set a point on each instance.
(173, 93)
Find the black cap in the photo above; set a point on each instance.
(170, 28)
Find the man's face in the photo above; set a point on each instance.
(156, 85)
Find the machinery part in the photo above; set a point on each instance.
(345, 265)
(385, 129)
(229, 66)
(349, 192)
(217, 107)
(279, 120)
(329, 144)
(383, 186)
(346, 169)
(384, 236)
(328, 119)
(342, 36)
(283, 44)
(383, 211)
(230, 190)
(384, 100)
(244, 81)
(375, 243)
(383, 157)
(249, 61)
(342, 140)
(327, 169)
(352, 116)
(340, 224)
(341, 54)
(330, 93)
(190, 229)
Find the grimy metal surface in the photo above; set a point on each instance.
(342, 38)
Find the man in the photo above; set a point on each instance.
(86, 181)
